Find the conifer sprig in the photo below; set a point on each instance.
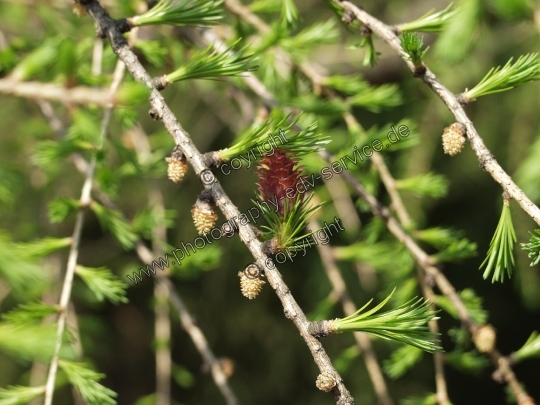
(37, 61)
(300, 143)
(376, 98)
(430, 22)
(61, 207)
(531, 348)
(525, 69)
(31, 313)
(86, 382)
(371, 55)
(412, 44)
(287, 229)
(310, 37)
(406, 323)
(289, 13)
(402, 360)
(20, 395)
(42, 247)
(209, 64)
(181, 13)
(533, 247)
(103, 283)
(28, 340)
(500, 256)
(113, 221)
(428, 184)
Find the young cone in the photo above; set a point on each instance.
(250, 281)
(279, 173)
(453, 139)
(178, 167)
(284, 200)
(484, 338)
(204, 216)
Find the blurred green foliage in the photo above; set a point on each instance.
(454, 205)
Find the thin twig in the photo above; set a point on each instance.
(292, 310)
(201, 343)
(342, 201)
(162, 327)
(68, 281)
(390, 184)
(84, 200)
(162, 323)
(438, 357)
(505, 369)
(54, 121)
(485, 158)
(54, 92)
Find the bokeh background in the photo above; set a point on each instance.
(271, 362)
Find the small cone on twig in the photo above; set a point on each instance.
(325, 382)
(178, 167)
(484, 338)
(204, 216)
(250, 281)
(453, 139)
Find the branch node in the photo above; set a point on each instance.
(498, 376)
(419, 71)
(154, 114)
(124, 25)
(320, 329)
(270, 247)
(463, 99)
(229, 229)
(160, 82)
(212, 159)
(484, 159)
(365, 30)
(100, 32)
(348, 16)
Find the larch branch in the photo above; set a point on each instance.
(486, 160)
